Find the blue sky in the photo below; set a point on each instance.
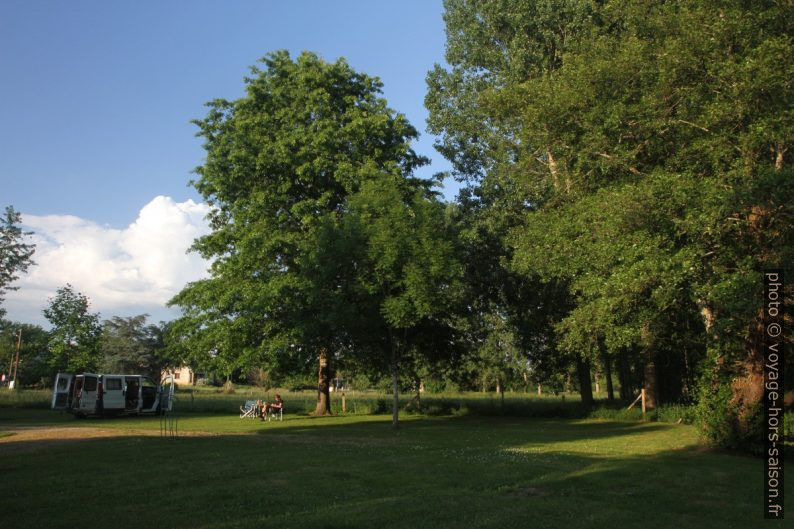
(98, 95)
(97, 98)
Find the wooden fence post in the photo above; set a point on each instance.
(642, 394)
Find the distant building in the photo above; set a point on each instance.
(339, 384)
(182, 375)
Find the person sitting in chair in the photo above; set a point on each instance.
(277, 405)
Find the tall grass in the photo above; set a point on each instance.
(214, 401)
(25, 398)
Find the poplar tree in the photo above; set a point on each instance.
(647, 144)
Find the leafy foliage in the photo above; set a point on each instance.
(15, 254)
(74, 339)
(640, 150)
(33, 355)
(130, 345)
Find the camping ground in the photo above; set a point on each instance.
(354, 470)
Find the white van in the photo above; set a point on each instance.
(102, 394)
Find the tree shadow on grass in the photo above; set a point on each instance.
(467, 430)
(447, 474)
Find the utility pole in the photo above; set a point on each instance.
(16, 363)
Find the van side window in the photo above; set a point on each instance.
(62, 383)
(90, 384)
(112, 384)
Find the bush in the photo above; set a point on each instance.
(676, 413)
(716, 418)
(432, 407)
(382, 406)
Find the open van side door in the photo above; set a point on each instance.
(113, 393)
(149, 395)
(132, 394)
(88, 395)
(62, 391)
(167, 387)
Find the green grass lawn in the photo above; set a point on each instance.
(356, 472)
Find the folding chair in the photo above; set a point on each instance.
(276, 413)
(249, 410)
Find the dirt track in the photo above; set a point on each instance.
(24, 438)
(49, 433)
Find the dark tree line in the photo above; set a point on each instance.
(632, 154)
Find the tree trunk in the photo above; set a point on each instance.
(779, 157)
(540, 390)
(553, 170)
(585, 385)
(747, 388)
(623, 377)
(651, 379)
(607, 362)
(395, 384)
(323, 386)
(709, 316)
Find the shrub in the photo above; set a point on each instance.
(676, 413)
(382, 406)
(716, 417)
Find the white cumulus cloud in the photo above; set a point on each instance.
(122, 271)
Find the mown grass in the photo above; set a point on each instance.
(356, 472)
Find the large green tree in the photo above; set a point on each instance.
(74, 338)
(131, 345)
(281, 162)
(476, 108)
(15, 254)
(408, 270)
(648, 142)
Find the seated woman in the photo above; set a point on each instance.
(276, 406)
